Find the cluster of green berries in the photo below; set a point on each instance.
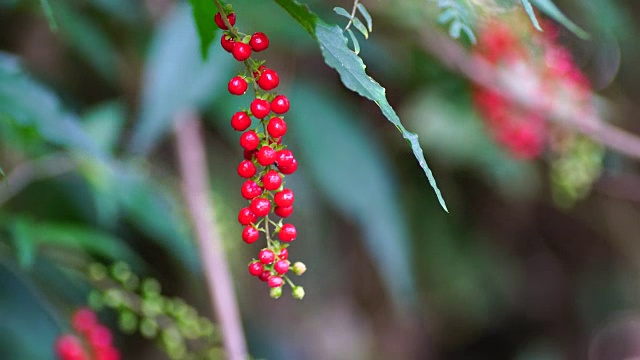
(266, 160)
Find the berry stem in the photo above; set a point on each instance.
(286, 278)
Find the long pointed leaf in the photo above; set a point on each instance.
(549, 8)
(360, 26)
(529, 9)
(354, 40)
(366, 16)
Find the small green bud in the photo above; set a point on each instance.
(299, 268)
(276, 292)
(97, 271)
(298, 292)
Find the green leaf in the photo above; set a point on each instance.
(351, 69)
(48, 12)
(360, 26)
(203, 13)
(549, 8)
(356, 45)
(532, 16)
(176, 78)
(18, 94)
(447, 15)
(104, 123)
(372, 203)
(366, 16)
(454, 29)
(342, 11)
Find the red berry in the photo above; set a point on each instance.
(284, 158)
(241, 51)
(246, 169)
(231, 18)
(288, 170)
(281, 266)
(227, 42)
(277, 127)
(250, 234)
(246, 216)
(250, 189)
(249, 140)
(69, 347)
(266, 156)
(260, 108)
(107, 353)
(280, 104)
(284, 198)
(259, 41)
(249, 154)
(260, 206)
(237, 86)
(268, 80)
(283, 212)
(84, 319)
(264, 276)
(256, 74)
(256, 268)
(275, 281)
(287, 233)
(240, 121)
(271, 180)
(266, 256)
(99, 336)
(284, 254)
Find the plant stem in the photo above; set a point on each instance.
(353, 14)
(195, 186)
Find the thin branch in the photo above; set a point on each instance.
(25, 174)
(481, 72)
(195, 187)
(353, 14)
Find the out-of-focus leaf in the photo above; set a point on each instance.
(354, 40)
(532, 15)
(103, 123)
(342, 12)
(126, 10)
(366, 16)
(48, 12)
(18, 94)
(156, 212)
(203, 13)
(360, 26)
(88, 39)
(361, 185)
(338, 56)
(176, 78)
(28, 235)
(549, 8)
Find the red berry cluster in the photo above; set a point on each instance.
(544, 69)
(266, 159)
(94, 342)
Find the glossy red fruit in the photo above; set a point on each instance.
(84, 319)
(288, 170)
(275, 281)
(107, 353)
(260, 206)
(266, 256)
(250, 189)
(227, 42)
(99, 336)
(256, 268)
(284, 254)
(280, 104)
(268, 80)
(284, 158)
(259, 41)
(246, 216)
(69, 347)
(283, 212)
(271, 180)
(249, 140)
(260, 108)
(277, 127)
(284, 198)
(246, 169)
(261, 68)
(237, 86)
(264, 276)
(241, 51)
(281, 266)
(266, 156)
(250, 234)
(240, 121)
(249, 154)
(231, 18)
(288, 233)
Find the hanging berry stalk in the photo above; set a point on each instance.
(266, 158)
